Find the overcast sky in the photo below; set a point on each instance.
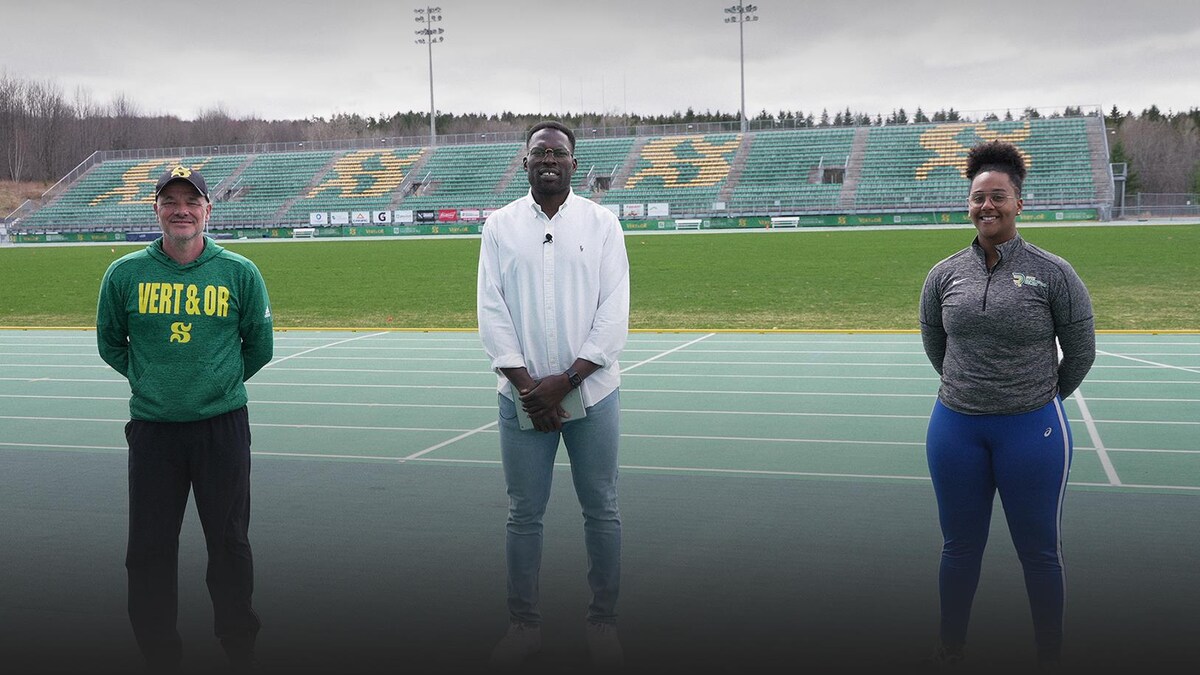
(292, 59)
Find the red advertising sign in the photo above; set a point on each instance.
(447, 215)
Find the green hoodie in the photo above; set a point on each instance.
(186, 336)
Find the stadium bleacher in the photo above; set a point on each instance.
(467, 176)
(783, 171)
(117, 195)
(686, 172)
(361, 180)
(265, 185)
(901, 168)
(924, 165)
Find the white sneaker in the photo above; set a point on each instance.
(604, 646)
(519, 643)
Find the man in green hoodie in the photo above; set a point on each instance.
(187, 323)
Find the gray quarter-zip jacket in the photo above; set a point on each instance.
(991, 335)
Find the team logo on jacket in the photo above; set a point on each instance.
(1020, 280)
(181, 332)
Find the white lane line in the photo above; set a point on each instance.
(324, 346)
(563, 465)
(56, 446)
(1150, 363)
(1098, 445)
(53, 365)
(495, 423)
(67, 398)
(767, 439)
(451, 441)
(1144, 400)
(743, 376)
(633, 390)
(1126, 383)
(1155, 451)
(666, 353)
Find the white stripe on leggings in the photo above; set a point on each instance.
(1062, 491)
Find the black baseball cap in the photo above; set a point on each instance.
(180, 172)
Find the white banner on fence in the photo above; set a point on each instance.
(634, 210)
(381, 217)
(662, 210)
(339, 218)
(403, 216)
(318, 219)
(360, 217)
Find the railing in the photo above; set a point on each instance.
(30, 205)
(1168, 205)
(582, 133)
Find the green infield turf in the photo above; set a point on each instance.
(1140, 278)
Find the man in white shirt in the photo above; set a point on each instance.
(553, 304)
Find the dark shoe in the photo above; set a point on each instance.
(243, 664)
(518, 644)
(604, 647)
(241, 655)
(943, 659)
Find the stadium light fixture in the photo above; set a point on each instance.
(429, 35)
(741, 15)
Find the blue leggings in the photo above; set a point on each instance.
(1026, 458)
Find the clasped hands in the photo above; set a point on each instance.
(541, 399)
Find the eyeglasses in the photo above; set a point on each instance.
(998, 198)
(560, 153)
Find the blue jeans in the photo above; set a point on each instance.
(528, 458)
(1026, 459)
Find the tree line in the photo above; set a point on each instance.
(45, 132)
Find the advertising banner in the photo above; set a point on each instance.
(658, 210)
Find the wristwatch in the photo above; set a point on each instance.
(573, 377)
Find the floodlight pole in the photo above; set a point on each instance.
(741, 15)
(430, 35)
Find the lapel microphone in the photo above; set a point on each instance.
(549, 239)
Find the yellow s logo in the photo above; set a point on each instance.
(181, 332)
(181, 172)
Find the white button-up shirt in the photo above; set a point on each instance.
(542, 304)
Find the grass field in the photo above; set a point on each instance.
(1140, 277)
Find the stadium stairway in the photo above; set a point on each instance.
(228, 188)
(1101, 169)
(414, 171)
(309, 186)
(736, 167)
(510, 174)
(853, 168)
(631, 160)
